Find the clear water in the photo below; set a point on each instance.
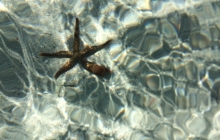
(164, 58)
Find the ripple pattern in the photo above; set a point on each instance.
(164, 59)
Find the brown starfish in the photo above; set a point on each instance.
(78, 56)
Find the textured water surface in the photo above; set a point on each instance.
(164, 58)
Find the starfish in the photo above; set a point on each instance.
(78, 56)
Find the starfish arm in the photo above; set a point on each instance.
(69, 65)
(88, 51)
(76, 37)
(60, 54)
(94, 68)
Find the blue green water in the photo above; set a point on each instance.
(164, 62)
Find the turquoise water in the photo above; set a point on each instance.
(164, 60)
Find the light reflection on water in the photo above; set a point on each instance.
(164, 61)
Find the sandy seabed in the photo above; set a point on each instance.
(164, 58)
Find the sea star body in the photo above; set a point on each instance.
(78, 56)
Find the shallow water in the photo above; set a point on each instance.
(164, 58)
